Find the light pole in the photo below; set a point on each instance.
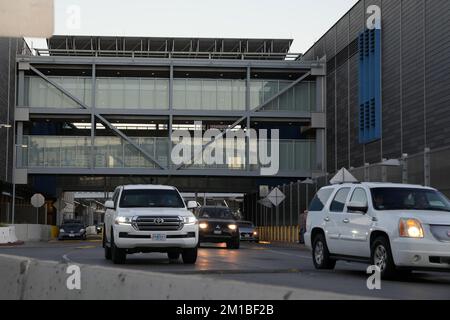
(6, 126)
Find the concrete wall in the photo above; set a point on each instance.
(23, 278)
(33, 232)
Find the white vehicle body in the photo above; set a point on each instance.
(350, 234)
(150, 228)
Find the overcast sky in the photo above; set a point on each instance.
(305, 21)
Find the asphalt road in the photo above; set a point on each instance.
(289, 266)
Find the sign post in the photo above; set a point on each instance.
(37, 201)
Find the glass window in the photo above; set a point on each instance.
(209, 95)
(162, 94)
(194, 94)
(409, 199)
(179, 93)
(131, 93)
(359, 195)
(151, 199)
(147, 93)
(338, 203)
(320, 200)
(216, 213)
(224, 94)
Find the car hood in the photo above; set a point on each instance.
(424, 216)
(131, 212)
(222, 221)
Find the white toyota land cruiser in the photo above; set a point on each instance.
(397, 227)
(149, 218)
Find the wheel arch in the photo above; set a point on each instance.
(378, 233)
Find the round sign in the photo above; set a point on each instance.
(37, 200)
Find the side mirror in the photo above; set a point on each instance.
(192, 204)
(109, 204)
(358, 207)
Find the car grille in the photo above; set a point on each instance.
(157, 223)
(441, 233)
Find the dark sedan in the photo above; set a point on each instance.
(217, 225)
(72, 230)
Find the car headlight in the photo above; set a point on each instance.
(82, 230)
(410, 228)
(123, 220)
(189, 220)
(203, 225)
(255, 233)
(232, 227)
(61, 230)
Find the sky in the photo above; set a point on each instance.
(305, 21)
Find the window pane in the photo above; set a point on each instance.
(194, 94)
(338, 203)
(209, 95)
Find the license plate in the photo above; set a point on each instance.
(217, 232)
(159, 237)
(247, 236)
(72, 235)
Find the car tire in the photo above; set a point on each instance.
(173, 255)
(106, 248)
(118, 256)
(381, 256)
(321, 254)
(190, 255)
(233, 244)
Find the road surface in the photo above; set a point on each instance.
(288, 266)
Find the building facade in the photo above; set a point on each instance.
(414, 82)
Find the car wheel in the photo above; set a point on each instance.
(190, 255)
(107, 249)
(321, 255)
(381, 256)
(233, 244)
(173, 255)
(118, 256)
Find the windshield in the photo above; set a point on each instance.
(217, 213)
(72, 226)
(246, 224)
(151, 199)
(409, 199)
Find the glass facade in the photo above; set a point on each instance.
(188, 94)
(206, 94)
(113, 152)
(300, 98)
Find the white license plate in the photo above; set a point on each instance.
(159, 237)
(217, 232)
(71, 235)
(247, 236)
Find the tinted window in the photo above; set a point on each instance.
(216, 213)
(409, 199)
(151, 199)
(338, 203)
(359, 195)
(320, 200)
(246, 224)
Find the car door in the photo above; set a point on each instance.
(334, 220)
(355, 230)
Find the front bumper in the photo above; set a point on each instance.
(71, 235)
(126, 237)
(421, 254)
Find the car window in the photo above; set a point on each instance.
(216, 213)
(409, 199)
(359, 195)
(338, 203)
(321, 198)
(115, 196)
(148, 198)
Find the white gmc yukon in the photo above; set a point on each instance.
(149, 218)
(396, 227)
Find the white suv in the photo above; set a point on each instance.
(149, 218)
(397, 227)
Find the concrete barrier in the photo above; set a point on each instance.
(33, 232)
(24, 278)
(8, 235)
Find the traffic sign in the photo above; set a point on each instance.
(37, 200)
(276, 197)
